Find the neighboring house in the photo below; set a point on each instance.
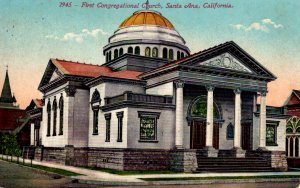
(153, 106)
(292, 108)
(12, 118)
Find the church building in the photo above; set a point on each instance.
(154, 106)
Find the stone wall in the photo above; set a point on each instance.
(105, 158)
(38, 155)
(183, 160)
(54, 154)
(149, 159)
(276, 159)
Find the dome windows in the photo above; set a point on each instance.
(109, 56)
(130, 50)
(121, 52)
(155, 52)
(171, 54)
(137, 50)
(182, 55)
(116, 53)
(165, 53)
(147, 52)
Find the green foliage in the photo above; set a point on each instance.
(9, 144)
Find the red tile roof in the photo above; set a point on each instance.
(8, 118)
(89, 70)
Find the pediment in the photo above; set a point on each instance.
(226, 61)
(55, 75)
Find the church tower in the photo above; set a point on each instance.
(7, 100)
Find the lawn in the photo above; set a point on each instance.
(118, 172)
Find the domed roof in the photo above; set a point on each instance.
(147, 17)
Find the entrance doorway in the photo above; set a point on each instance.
(246, 136)
(198, 135)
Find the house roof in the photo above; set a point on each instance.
(9, 118)
(79, 69)
(38, 102)
(294, 92)
(89, 70)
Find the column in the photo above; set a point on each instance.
(262, 136)
(210, 116)
(237, 119)
(179, 115)
(298, 146)
(294, 146)
(289, 146)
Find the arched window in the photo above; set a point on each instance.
(147, 52)
(61, 115)
(199, 108)
(54, 116)
(178, 55)
(165, 53)
(137, 50)
(230, 132)
(116, 53)
(106, 57)
(121, 51)
(109, 56)
(155, 52)
(130, 50)
(48, 118)
(182, 55)
(171, 54)
(95, 97)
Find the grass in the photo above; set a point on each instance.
(118, 172)
(47, 169)
(221, 178)
(54, 170)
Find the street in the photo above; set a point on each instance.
(15, 176)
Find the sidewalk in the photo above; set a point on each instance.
(94, 176)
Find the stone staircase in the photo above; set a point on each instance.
(226, 163)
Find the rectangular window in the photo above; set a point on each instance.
(271, 133)
(107, 118)
(148, 126)
(95, 121)
(120, 126)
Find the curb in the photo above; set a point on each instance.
(187, 182)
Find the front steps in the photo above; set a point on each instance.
(232, 164)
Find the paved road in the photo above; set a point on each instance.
(14, 176)
(245, 185)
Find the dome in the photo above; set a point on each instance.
(147, 17)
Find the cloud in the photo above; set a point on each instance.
(78, 37)
(269, 21)
(258, 26)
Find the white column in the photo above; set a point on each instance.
(237, 119)
(294, 146)
(289, 146)
(32, 134)
(179, 115)
(210, 116)
(262, 139)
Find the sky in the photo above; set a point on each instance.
(32, 32)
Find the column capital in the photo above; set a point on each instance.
(179, 83)
(209, 88)
(237, 91)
